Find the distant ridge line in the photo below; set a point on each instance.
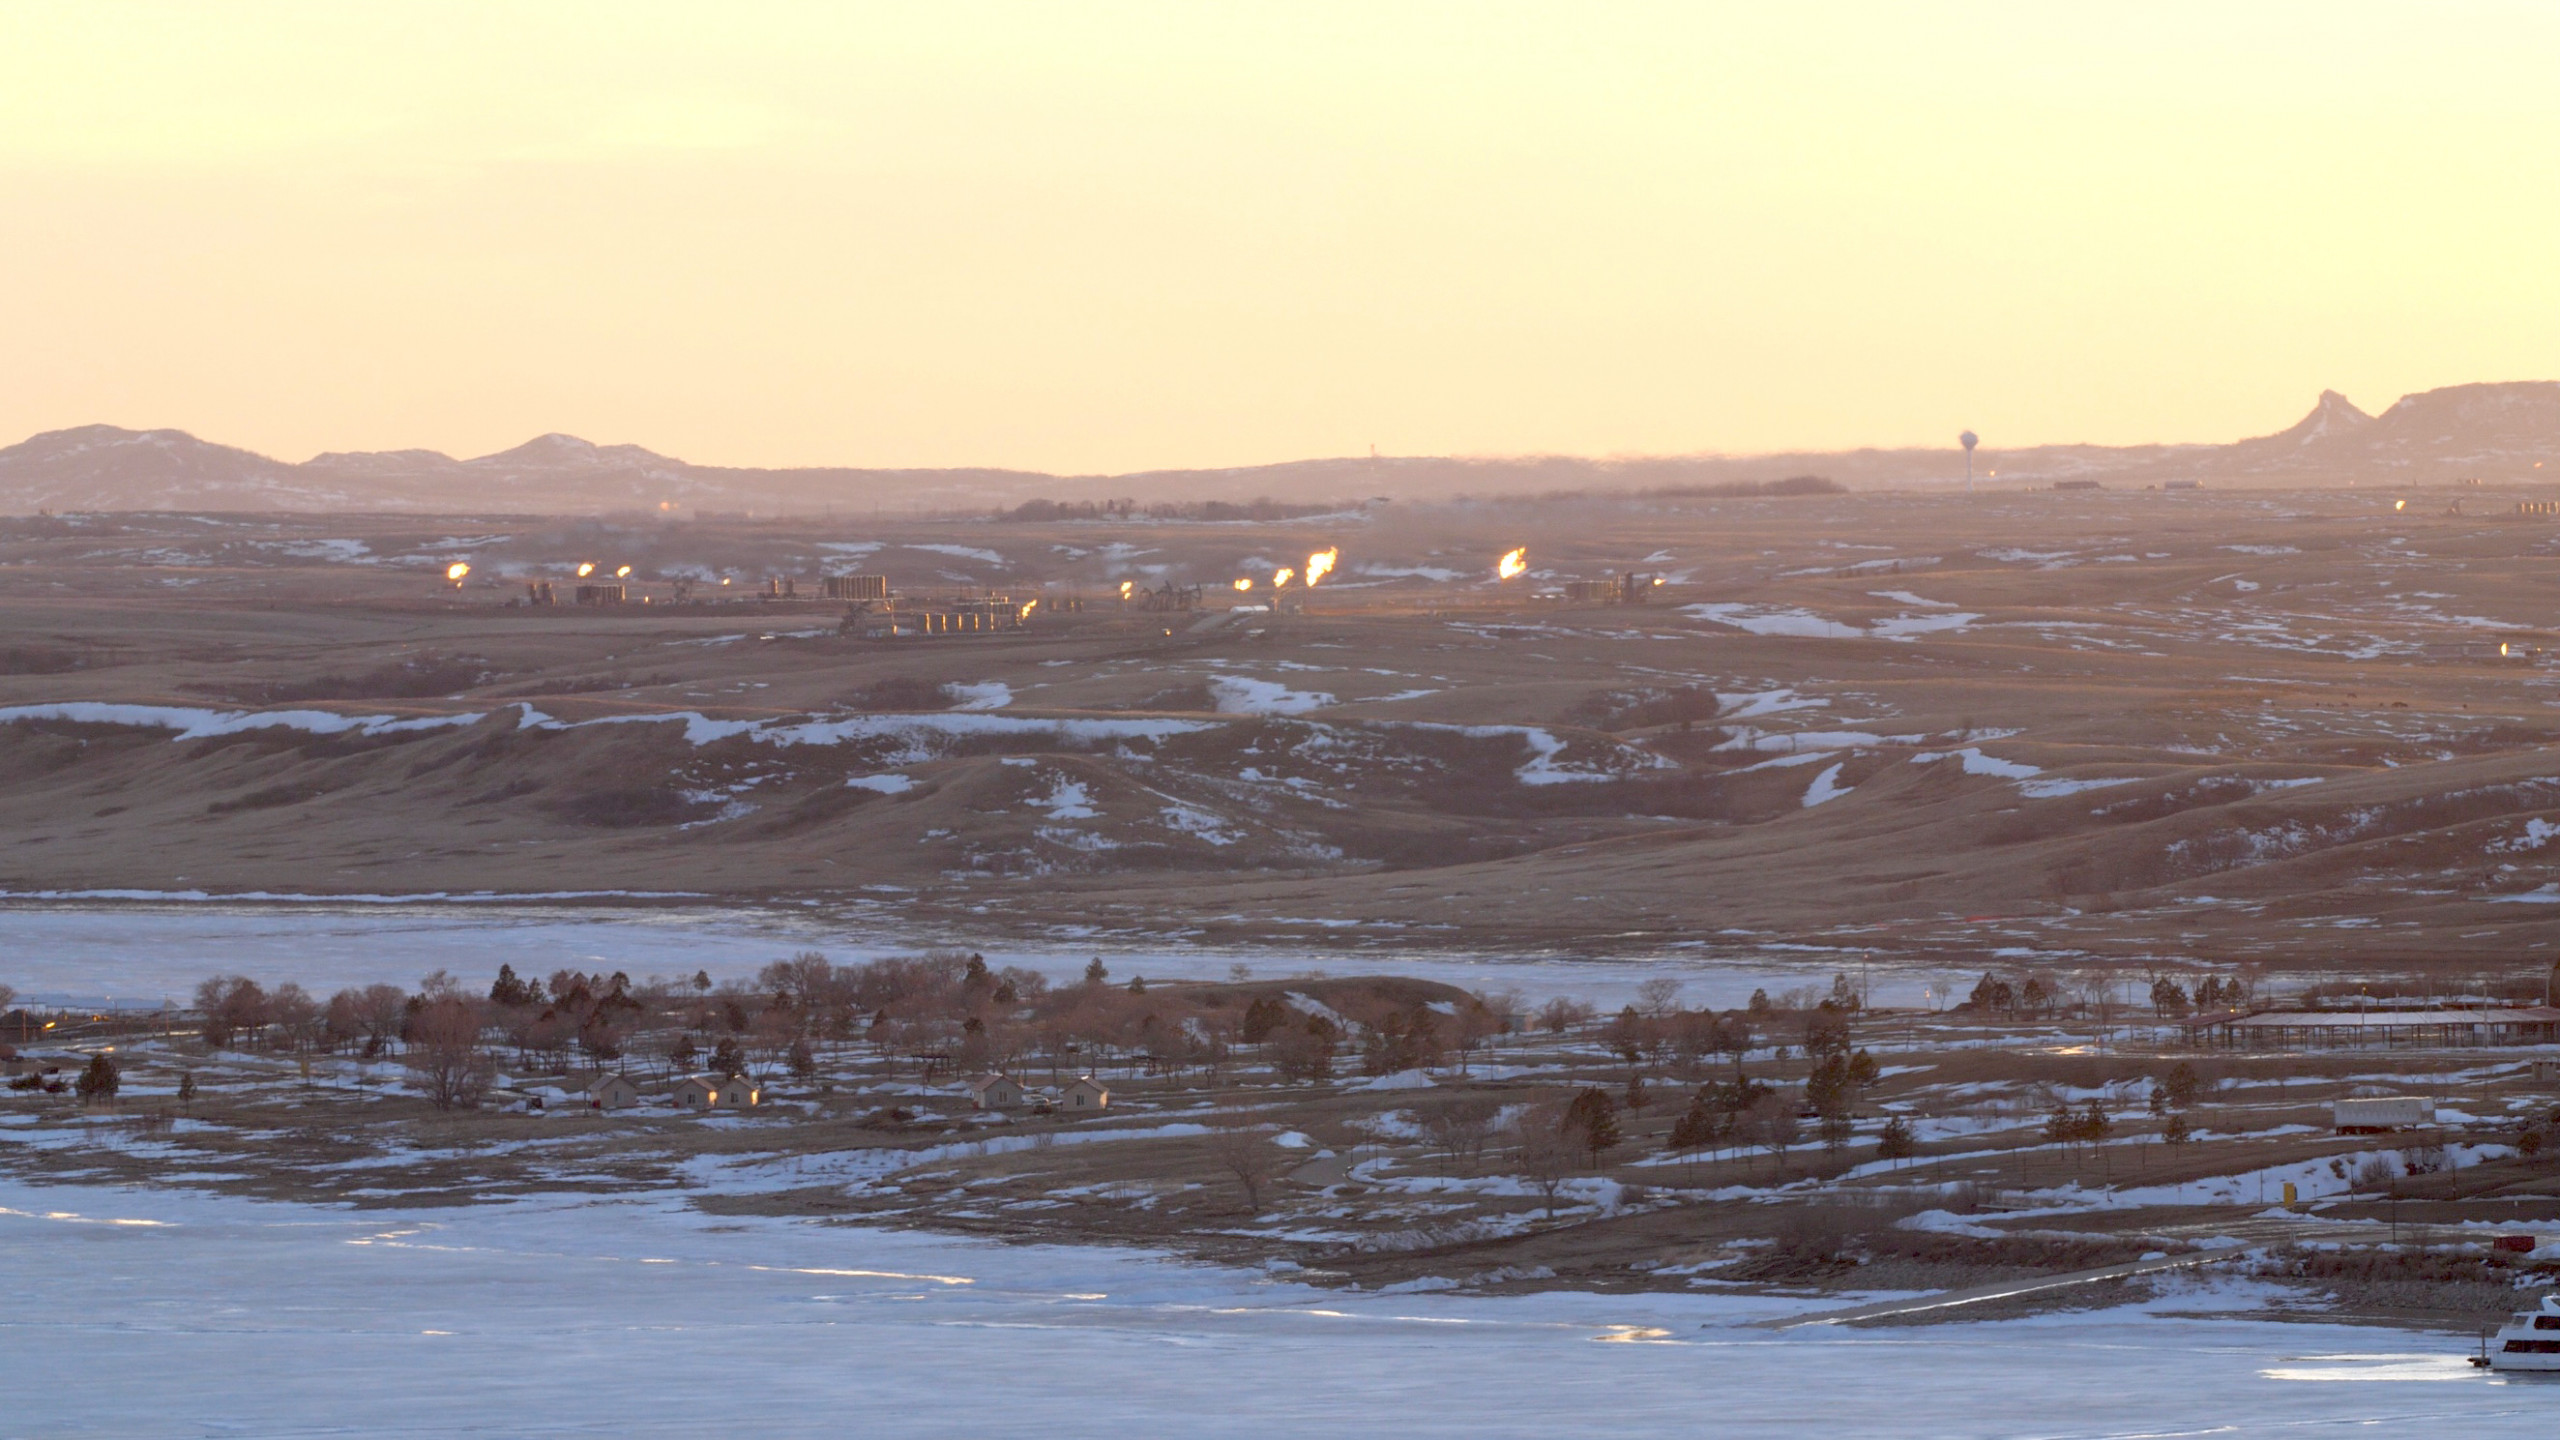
(2505, 431)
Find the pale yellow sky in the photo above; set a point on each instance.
(1085, 236)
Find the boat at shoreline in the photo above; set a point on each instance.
(2530, 1340)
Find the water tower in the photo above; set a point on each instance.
(1968, 440)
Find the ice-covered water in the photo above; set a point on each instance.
(144, 953)
(146, 1314)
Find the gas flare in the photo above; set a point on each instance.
(622, 573)
(1027, 607)
(1512, 564)
(586, 568)
(455, 571)
(1281, 579)
(1320, 564)
(1125, 587)
(1245, 583)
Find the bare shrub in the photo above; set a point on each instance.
(446, 1056)
(1459, 1128)
(1548, 1148)
(1245, 1150)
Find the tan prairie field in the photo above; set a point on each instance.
(2293, 728)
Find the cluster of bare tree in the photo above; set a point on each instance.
(947, 1011)
(238, 1011)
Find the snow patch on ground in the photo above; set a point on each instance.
(1977, 763)
(1400, 1080)
(1772, 620)
(1243, 695)
(1904, 627)
(1067, 800)
(191, 723)
(1192, 820)
(2537, 833)
(1752, 704)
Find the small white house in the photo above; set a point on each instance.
(610, 1092)
(1086, 1094)
(717, 1092)
(995, 1092)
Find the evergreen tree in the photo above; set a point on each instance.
(1263, 1016)
(1626, 1035)
(507, 990)
(1699, 1127)
(1992, 993)
(802, 1061)
(2061, 1127)
(2094, 1126)
(1895, 1141)
(100, 1079)
(2167, 998)
(1826, 1031)
(1592, 1120)
(186, 1087)
(2176, 1131)
(1836, 1130)
(1844, 995)
(1094, 974)
(729, 1057)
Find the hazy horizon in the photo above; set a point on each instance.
(1140, 237)
(608, 442)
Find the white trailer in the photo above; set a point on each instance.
(2376, 1115)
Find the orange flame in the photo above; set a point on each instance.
(1281, 579)
(586, 568)
(1511, 565)
(1320, 564)
(1246, 583)
(624, 571)
(455, 571)
(1125, 586)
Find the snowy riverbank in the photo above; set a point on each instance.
(153, 1313)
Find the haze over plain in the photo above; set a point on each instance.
(1116, 238)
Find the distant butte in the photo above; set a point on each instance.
(2501, 430)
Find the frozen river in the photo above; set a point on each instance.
(147, 1314)
(146, 953)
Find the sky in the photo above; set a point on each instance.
(1098, 237)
